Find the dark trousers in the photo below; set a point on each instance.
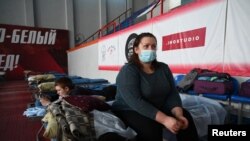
(150, 130)
(111, 136)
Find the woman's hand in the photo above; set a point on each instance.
(178, 113)
(171, 123)
(183, 122)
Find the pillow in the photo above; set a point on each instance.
(87, 103)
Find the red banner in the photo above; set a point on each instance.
(187, 39)
(36, 49)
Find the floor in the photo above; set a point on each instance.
(14, 97)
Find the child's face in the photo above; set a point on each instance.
(63, 92)
(44, 101)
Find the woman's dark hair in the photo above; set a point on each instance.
(65, 82)
(134, 57)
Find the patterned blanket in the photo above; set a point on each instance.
(73, 123)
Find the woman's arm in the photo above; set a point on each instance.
(173, 99)
(177, 112)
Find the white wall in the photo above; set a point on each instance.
(84, 62)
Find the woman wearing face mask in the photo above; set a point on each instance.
(147, 100)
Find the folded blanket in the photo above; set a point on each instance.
(47, 87)
(41, 77)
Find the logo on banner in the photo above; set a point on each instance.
(187, 39)
(129, 45)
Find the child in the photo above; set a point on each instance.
(44, 99)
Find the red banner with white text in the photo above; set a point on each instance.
(29, 48)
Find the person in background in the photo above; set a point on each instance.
(65, 87)
(147, 99)
(45, 99)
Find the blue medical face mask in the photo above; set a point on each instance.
(147, 56)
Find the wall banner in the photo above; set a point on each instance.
(29, 48)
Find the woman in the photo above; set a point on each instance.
(147, 99)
